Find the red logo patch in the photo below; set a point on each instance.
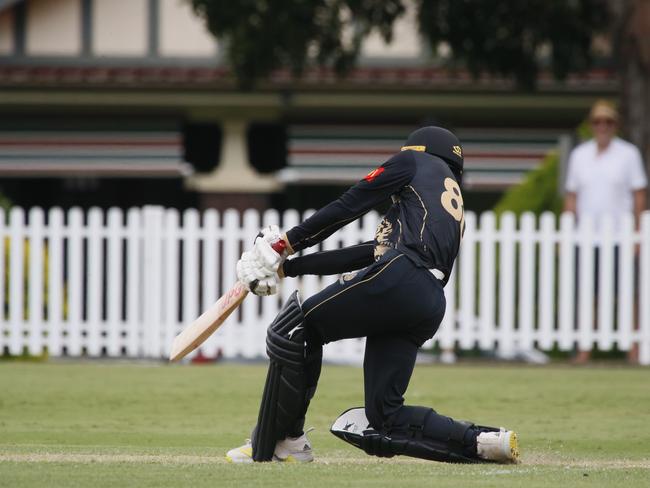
(373, 174)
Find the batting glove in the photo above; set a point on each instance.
(265, 287)
(272, 234)
(257, 278)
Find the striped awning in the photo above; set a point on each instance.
(494, 158)
(95, 153)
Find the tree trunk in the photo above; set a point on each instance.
(633, 50)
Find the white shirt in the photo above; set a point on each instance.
(605, 183)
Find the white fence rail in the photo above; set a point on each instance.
(123, 284)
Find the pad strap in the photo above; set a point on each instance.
(378, 445)
(417, 421)
(456, 439)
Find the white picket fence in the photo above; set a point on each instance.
(123, 284)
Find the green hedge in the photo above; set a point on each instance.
(537, 193)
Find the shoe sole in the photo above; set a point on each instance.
(288, 459)
(514, 448)
(293, 459)
(238, 461)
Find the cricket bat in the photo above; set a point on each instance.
(209, 321)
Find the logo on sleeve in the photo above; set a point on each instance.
(373, 174)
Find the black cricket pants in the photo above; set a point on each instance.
(397, 306)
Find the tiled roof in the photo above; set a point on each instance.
(378, 77)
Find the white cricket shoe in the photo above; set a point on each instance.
(241, 454)
(500, 447)
(294, 450)
(290, 450)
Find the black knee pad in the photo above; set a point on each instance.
(417, 439)
(287, 390)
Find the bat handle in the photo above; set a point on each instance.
(279, 246)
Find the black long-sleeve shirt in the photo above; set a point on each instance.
(331, 262)
(424, 222)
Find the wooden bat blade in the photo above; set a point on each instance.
(198, 331)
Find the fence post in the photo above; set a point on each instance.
(626, 288)
(172, 285)
(94, 279)
(546, 275)
(16, 280)
(644, 292)
(35, 293)
(506, 285)
(586, 284)
(134, 283)
(526, 282)
(190, 275)
(606, 277)
(566, 282)
(487, 296)
(114, 270)
(74, 316)
(152, 281)
(56, 287)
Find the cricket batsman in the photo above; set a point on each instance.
(395, 300)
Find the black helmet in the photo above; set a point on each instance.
(439, 142)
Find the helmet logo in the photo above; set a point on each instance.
(414, 148)
(457, 151)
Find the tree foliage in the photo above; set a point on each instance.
(504, 37)
(264, 35)
(514, 37)
(631, 39)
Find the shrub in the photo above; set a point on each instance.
(537, 193)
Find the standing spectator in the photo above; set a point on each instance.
(605, 177)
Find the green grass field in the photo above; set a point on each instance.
(93, 425)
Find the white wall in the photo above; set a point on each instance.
(182, 33)
(6, 32)
(120, 27)
(405, 43)
(53, 27)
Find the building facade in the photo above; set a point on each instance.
(128, 102)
